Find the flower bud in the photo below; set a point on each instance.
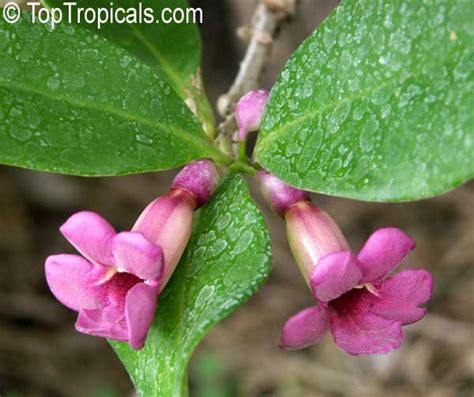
(249, 112)
(278, 194)
(199, 179)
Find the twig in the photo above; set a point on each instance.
(266, 20)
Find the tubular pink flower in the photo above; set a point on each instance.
(249, 112)
(363, 307)
(115, 284)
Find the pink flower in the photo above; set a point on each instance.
(363, 307)
(115, 284)
(249, 111)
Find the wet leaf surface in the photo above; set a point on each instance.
(377, 103)
(173, 48)
(75, 103)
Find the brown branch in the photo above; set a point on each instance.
(266, 20)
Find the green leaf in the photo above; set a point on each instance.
(377, 103)
(175, 49)
(75, 103)
(227, 259)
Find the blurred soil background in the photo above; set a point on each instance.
(41, 355)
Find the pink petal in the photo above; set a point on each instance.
(140, 305)
(334, 275)
(305, 328)
(76, 282)
(110, 320)
(108, 323)
(400, 296)
(382, 252)
(117, 290)
(136, 255)
(91, 235)
(358, 331)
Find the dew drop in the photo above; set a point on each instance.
(20, 134)
(53, 83)
(144, 139)
(367, 137)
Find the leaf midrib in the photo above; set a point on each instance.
(198, 141)
(308, 115)
(272, 135)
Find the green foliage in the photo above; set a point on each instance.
(175, 49)
(75, 103)
(377, 103)
(227, 259)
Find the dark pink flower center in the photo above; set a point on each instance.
(118, 286)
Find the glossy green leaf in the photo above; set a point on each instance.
(378, 103)
(75, 103)
(174, 48)
(227, 259)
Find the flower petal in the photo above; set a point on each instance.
(107, 323)
(305, 328)
(140, 306)
(334, 275)
(110, 320)
(136, 255)
(91, 235)
(400, 296)
(366, 334)
(75, 282)
(382, 252)
(357, 330)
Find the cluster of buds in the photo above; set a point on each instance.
(115, 284)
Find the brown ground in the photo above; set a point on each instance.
(41, 354)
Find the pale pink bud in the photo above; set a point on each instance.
(249, 112)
